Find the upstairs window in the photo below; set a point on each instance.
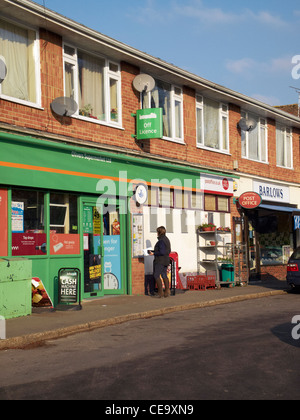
(284, 146)
(19, 47)
(254, 142)
(94, 83)
(212, 124)
(169, 98)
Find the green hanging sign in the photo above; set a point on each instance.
(149, 123)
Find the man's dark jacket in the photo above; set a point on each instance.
(162, 250)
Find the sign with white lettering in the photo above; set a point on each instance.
(272, 192)
(149, 123)
(250, 200)
(68, 285)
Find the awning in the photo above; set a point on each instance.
(279, 208)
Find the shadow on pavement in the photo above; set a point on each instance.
(288, 333)
(269, 282)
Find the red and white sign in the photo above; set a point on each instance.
(213, 184)
(64, 244)
(28, 243)
(250, 200)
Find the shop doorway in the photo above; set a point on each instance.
(103, 248)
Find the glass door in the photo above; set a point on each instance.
(104, 247)
(112, 261)
(92, 248)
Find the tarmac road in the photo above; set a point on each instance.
(243, 351)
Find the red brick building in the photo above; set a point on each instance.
(48, 56)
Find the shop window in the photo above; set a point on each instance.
(28, 223)
(94, 83)
(197, 201)
(181, 199)
(152, 199)
(166, 197)
(275, 239)
(223, 204)
(63, 213)
(210, 203)
(64, 238)
(216, 203)
(160, 197)
(19, 47)
(212, 124)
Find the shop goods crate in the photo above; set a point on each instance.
(211, 282)
(201, 282)
(195, 282)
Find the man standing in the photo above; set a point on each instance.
(161, 253)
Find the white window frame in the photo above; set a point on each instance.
(176, 95)
(262, 139)
(36, 57)
(287, 146)
(223, 143)
(108, 74)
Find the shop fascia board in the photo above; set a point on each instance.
(83, 36)
(195, 170)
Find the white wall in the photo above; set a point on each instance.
(185, 244)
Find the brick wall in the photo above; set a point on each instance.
(52, 87)
(270, 272)
(138, 276)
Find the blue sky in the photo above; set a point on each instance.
(246, 46)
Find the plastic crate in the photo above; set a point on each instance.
(211, 282)
(190, 282)
(201, 282)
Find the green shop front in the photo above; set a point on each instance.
(67, 206)
(50, 215)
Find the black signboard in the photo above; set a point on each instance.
(69, 286)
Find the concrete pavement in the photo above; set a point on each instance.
(46, 324)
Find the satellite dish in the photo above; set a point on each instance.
(64, 106)
(3, 69)
(247, 124)
(144, 83)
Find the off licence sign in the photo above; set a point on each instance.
(250, 200)
(149, 123)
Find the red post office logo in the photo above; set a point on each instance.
(225, 184)
(250, 200)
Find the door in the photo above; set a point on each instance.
(104, 249)
(92, 251)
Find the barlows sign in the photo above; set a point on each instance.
(272, 192)
(250, 200)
